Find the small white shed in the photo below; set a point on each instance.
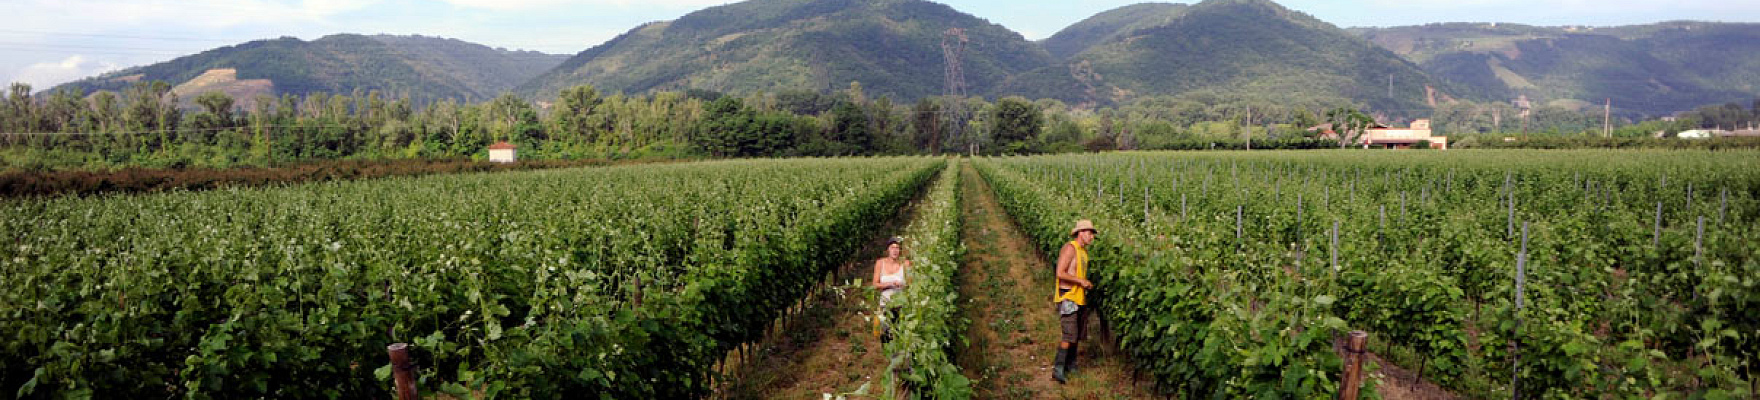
(502, 152)
(1697, 134)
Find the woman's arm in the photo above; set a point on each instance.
(1066, 268)
(877, 284)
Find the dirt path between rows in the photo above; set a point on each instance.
(1013, 336)
(1398, 383)
(831, 346)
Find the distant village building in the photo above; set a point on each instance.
(1750, 132)
(502, 152)
(1717, 133)
(1396, 138)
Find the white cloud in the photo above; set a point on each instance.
(206, 14)
(42, 76)
(513, 5)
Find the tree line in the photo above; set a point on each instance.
(147, 125)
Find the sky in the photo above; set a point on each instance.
(47, 42)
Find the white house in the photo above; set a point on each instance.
(502, 152)
(1395, 138)
(1697, 134)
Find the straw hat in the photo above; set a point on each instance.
(1083, 225)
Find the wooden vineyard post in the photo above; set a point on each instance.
(1723, 208)
(1381, 218)
(1515, 346)
(1182, 207)
(1299, 221)
(1699, 244)
(1353, 365)
(1237, 221)
(1656, 239)
(1511, 232)
(403, 373)
(1354, 187)
(1689, 195)
(1335, 247)
(1381, 227)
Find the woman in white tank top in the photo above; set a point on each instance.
(889, 275)
(889, 271)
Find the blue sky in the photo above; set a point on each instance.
(47, 42)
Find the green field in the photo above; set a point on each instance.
(626, 281)
(1220, 273)
(1220, 270)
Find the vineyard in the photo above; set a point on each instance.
(1555, 274)
(626, 282)
(1550, 274)
(929, 327)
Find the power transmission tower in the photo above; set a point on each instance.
(953, 48)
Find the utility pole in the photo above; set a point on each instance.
(953, 48)
(1497, 119)
(1607, 119)
(1390, 86)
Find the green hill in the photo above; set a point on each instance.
(1110, 25)
(1654, 69)
(423, 68)
(1242, 48)
(893, 47)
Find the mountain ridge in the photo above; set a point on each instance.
(422, 67)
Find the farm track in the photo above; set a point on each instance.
(1013, 335)
(829, 345)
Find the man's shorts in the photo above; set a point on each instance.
(1075, 325)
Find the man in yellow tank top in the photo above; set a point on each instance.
(1071, 300)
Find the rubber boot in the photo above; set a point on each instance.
(1057, 368)
(1069, 365)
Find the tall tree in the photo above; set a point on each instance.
(577, 114)
(1017, 121)
(927, 123)
(849, 129)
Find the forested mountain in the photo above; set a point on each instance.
(1109, 25)
(1233, 49)
(418, 67)
(1212, 52)
(1646, 70)
(892, 47)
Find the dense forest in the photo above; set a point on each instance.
(143, 127)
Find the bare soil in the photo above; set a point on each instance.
(829, 345)
(1398, 383)
(1014, 332)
